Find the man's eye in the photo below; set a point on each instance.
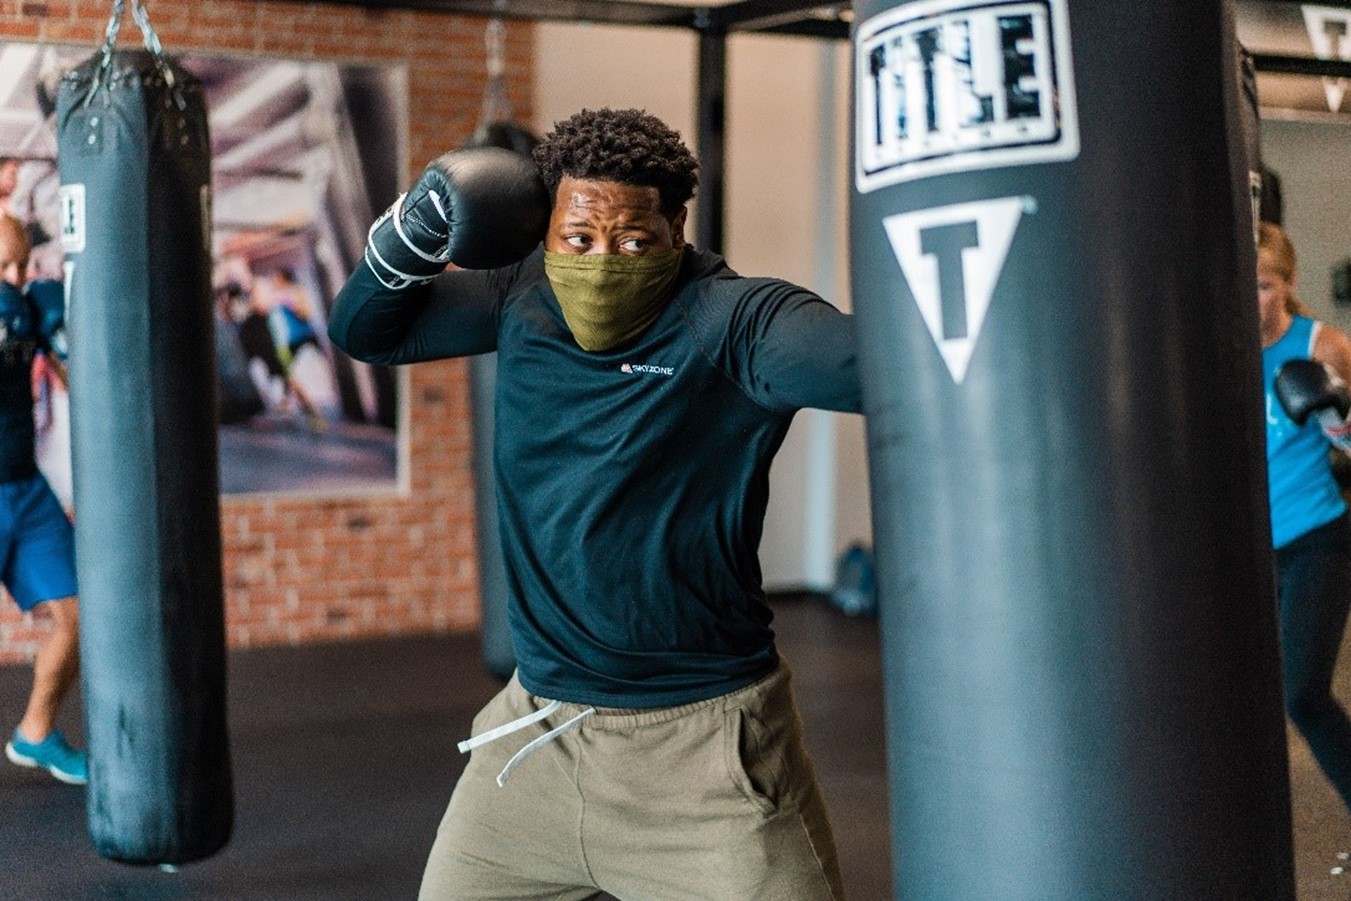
(633, 245)
(576, 240)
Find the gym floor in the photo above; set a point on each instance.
(344, 757)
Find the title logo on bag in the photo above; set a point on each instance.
(951, 86)
(70, 200)
(951, 258)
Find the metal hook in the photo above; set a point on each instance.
(109, 41)
(495, 39)
(496, 103)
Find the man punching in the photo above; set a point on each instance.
(37, 545)
(649, 744)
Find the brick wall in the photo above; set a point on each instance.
(301, 570)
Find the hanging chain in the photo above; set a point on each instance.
(495, 42)
(109, 42)
(496, 103)
(142, 18)
(152, 43)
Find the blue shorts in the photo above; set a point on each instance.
(37, 544)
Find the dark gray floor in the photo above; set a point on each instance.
(345, 756)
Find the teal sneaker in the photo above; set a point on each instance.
(52, 754)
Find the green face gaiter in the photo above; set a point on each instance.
(609, 298)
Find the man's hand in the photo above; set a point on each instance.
(49, 300)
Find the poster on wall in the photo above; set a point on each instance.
(304, 156)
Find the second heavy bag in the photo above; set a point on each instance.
(1054, 277)
(134, 159)
(499, 655)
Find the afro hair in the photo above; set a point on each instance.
(628, 146)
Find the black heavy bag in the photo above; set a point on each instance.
(1266, 184)
(239, 397)
(134, 161)
(1263, 180)
(1053, 269)
(499, 655)
(497, 128)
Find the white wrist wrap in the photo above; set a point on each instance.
(386, 272)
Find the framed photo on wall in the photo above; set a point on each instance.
(304, 156)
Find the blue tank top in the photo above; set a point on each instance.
(1304, 495)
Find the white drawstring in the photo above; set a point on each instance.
(547, 737)
(513, 726)
(518, 724)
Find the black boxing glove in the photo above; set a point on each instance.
(478, 207)
(17, 319)
(49, 300)
(1308, 388)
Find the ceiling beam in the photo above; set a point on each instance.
(811, 18)
(1341, 4)
(1277, 64)
(803, 18)
(780, 15)
(602, 12)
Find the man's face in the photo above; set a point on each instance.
(611, 218)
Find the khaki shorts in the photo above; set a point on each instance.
(711, 800)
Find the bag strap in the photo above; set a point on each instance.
(496, 103)
(152, 43)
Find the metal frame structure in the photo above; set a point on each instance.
(810, 18)
(713, 23)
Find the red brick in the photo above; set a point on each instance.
(300, 570)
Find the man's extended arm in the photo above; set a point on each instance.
(791, 349)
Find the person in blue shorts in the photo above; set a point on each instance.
(37, 546)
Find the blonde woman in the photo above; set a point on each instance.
(1309, 522)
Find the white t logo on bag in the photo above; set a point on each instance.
(951, 258)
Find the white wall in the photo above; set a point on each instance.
(1312, 159)
(786, 215)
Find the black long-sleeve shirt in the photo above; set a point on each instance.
(21, 338)
(632, 483)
